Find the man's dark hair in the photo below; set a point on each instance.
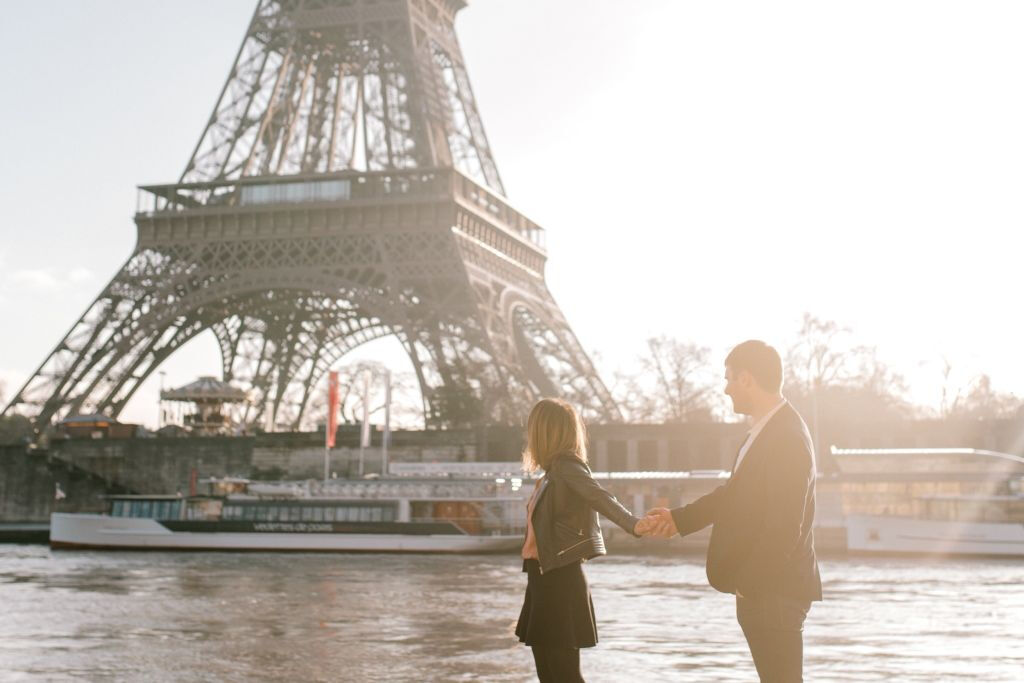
(760, 360)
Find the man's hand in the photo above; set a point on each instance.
(661, 525)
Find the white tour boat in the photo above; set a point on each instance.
(436, 508)
(938, 501)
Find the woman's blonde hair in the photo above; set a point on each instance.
(553, 427)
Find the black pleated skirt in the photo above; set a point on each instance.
(558, 610)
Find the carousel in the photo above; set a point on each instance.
(206, 407)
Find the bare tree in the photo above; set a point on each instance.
(14, 429)
(831, 378)
(823, 355)
(951, 395)
(876, 381)
(406, 403)
(675, 384)
(981, 401)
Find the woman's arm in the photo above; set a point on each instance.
(577, 477)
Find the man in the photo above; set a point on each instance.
(762, 546)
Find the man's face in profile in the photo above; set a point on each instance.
(737, 387)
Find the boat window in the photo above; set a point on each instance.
(341, 514)
(272, 513)
(117, 510)
(262, 513)
(329, 514)
(364, 514)
(307, 514)
(145, 508)
(389, 514)
(248, 511)
(318, 514)
(375, 514)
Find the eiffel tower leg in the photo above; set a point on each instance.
(555, 359)
(532, 340)
(97, 364)
(283, 346)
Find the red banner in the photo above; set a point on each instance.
(332, 407)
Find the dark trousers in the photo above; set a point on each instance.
(774, 628)
(557, 664)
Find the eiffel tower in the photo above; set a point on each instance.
(342, 191)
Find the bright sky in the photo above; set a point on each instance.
(708, 171)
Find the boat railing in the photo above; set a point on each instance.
(477, 526)
(453, 490)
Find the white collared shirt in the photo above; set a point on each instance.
(754, 431)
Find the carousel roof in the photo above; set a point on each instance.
(206, 389)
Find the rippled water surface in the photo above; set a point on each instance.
(240, 617)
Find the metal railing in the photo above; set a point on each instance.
(335, 188)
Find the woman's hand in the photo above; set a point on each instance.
(645, 526)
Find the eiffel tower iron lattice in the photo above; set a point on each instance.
(343, 191)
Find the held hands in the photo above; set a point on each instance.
(645, 526)
(657, 523)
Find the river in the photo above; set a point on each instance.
(312, 617)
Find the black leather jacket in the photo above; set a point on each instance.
(565, 520)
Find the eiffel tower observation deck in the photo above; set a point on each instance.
(343, 190)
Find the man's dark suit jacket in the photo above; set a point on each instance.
(761, 542)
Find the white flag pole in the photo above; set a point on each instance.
(364, 437)
(387, 424)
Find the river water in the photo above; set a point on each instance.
(306, 617)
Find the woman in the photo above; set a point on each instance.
(562, 532)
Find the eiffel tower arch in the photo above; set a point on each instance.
(342, 191)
